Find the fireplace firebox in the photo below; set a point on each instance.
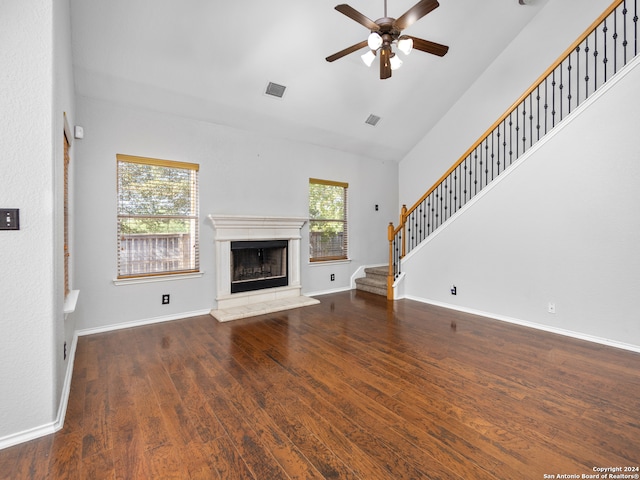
(256, 265)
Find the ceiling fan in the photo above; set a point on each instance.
(386, 31)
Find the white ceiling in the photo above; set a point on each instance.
(212, 60)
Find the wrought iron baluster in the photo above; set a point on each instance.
(499, 135)
(615, 42)
(486, 164)
(493, 157)
(624, 21)
(553, 110)
(561, 87)
(577, 76)
(635, 27)
(606, 53)
(586, 68)
(510, 140)
(538, 112)
(569, 86)
(531, 119)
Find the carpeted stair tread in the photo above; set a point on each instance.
(375, 280)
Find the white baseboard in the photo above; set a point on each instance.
(48, 428)
(139, 323)
(525, 323)
(327, 292)
(58, 423)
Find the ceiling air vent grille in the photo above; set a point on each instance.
(275, 90)
(372, 120)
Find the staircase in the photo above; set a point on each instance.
(375, 280)
(606, 47)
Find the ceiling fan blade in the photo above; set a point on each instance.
(429, 47)
(415, 13)
(347, 51)
(353, 14)
(385, 62)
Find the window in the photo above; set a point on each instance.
(157, 217)
(67, 159)
(327, 220)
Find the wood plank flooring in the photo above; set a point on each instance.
(352, 388)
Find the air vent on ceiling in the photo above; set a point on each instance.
(275, 90)
(372, 120)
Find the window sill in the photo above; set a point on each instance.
(159, 278)
(328, 262)
(70, 301)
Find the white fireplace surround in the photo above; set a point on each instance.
(229, 228)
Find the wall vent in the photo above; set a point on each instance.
(275, 90)
(372, 120)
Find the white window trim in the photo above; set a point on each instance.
(157, 278)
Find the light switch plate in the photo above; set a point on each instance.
(9, 219)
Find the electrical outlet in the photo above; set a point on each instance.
(333, 277)
(165, 299)
(551, 307)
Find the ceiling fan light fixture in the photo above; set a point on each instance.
(368, 58)
(374, 41)
(405, 44)
(395, 62)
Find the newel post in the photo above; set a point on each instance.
(390, 235)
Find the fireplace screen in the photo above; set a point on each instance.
(256, 265)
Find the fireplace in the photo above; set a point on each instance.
(256, 265)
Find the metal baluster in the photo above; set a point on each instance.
(595, 59)
(605, 60)
(493, 157)
(517, 133)
(465, 179)
(624, 41)
(510, 140)
(569, 87)
(615, 42)
(538, 112)
(531, 119)
(635, 27)
(553, 108)
(475, 174)
(577, 76)
(560, 87)
(486, 163)
(586, 68)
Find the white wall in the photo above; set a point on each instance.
(63, 104)
(29, 309)
(546, 37)
(562, 227)
(240, 173)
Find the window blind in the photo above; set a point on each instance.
(157, 217)
(328, 232)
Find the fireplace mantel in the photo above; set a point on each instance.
(228, 228)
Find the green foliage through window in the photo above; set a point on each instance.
(327, 220)
(157, 216)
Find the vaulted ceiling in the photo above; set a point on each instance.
(212, 60)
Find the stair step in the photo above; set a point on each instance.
(375, 280)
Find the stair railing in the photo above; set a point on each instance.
(599, 53)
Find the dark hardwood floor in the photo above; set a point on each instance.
(352, 388)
